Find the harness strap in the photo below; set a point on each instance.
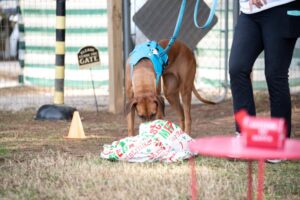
(152, 51)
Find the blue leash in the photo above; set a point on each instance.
(177, 28)
(180, 17)
(210, 17)
(155, 53)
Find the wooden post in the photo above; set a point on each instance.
(115, 53)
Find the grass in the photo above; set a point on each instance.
(3, 151)
(55, 175)
(36, 162)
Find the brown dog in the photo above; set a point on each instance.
(178, 79)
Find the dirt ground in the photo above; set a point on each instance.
(39, 163)
(106, 127)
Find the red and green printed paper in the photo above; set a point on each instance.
(158, 140)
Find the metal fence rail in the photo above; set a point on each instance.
(86, 24)
(27, 53)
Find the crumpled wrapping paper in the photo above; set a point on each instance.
(158, 141)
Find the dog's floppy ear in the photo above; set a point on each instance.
(129, 106)
(161, 104)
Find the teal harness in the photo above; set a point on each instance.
(155, 53)
(151, 50)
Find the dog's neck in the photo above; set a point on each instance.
(153, 52)
(143, 78)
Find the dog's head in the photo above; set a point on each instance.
(146, 106)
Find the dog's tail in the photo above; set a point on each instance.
(196, 93)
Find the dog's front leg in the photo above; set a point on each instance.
(130, 115)
(129, 111)
(130, 123)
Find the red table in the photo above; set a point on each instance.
(232, 147)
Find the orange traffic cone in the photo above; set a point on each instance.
(76, 129)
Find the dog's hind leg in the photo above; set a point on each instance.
(186, 96)
(174, 101)
(171, 91)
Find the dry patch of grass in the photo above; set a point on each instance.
(36, 162)
(19, 90)
(55, 175)
(8, 76)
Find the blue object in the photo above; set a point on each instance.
(153, 51)
(180, 17)
(294, 13)
(210, 17)
(177, 27)
(55, 112)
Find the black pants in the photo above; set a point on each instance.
(265, 31)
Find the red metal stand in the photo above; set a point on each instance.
(232, 147)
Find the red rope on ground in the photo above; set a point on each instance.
(261, 165)
(193, 179)
(249, 196)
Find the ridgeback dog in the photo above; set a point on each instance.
(144, 94)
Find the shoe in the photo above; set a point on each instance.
(274, 161)
(237, 135)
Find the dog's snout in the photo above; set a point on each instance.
(147, 118)
(143, 117)
(152, 116)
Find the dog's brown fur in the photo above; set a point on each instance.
(178, 79)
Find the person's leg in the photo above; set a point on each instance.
(278, 56)
(246, 46)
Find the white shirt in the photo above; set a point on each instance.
(245, 7)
